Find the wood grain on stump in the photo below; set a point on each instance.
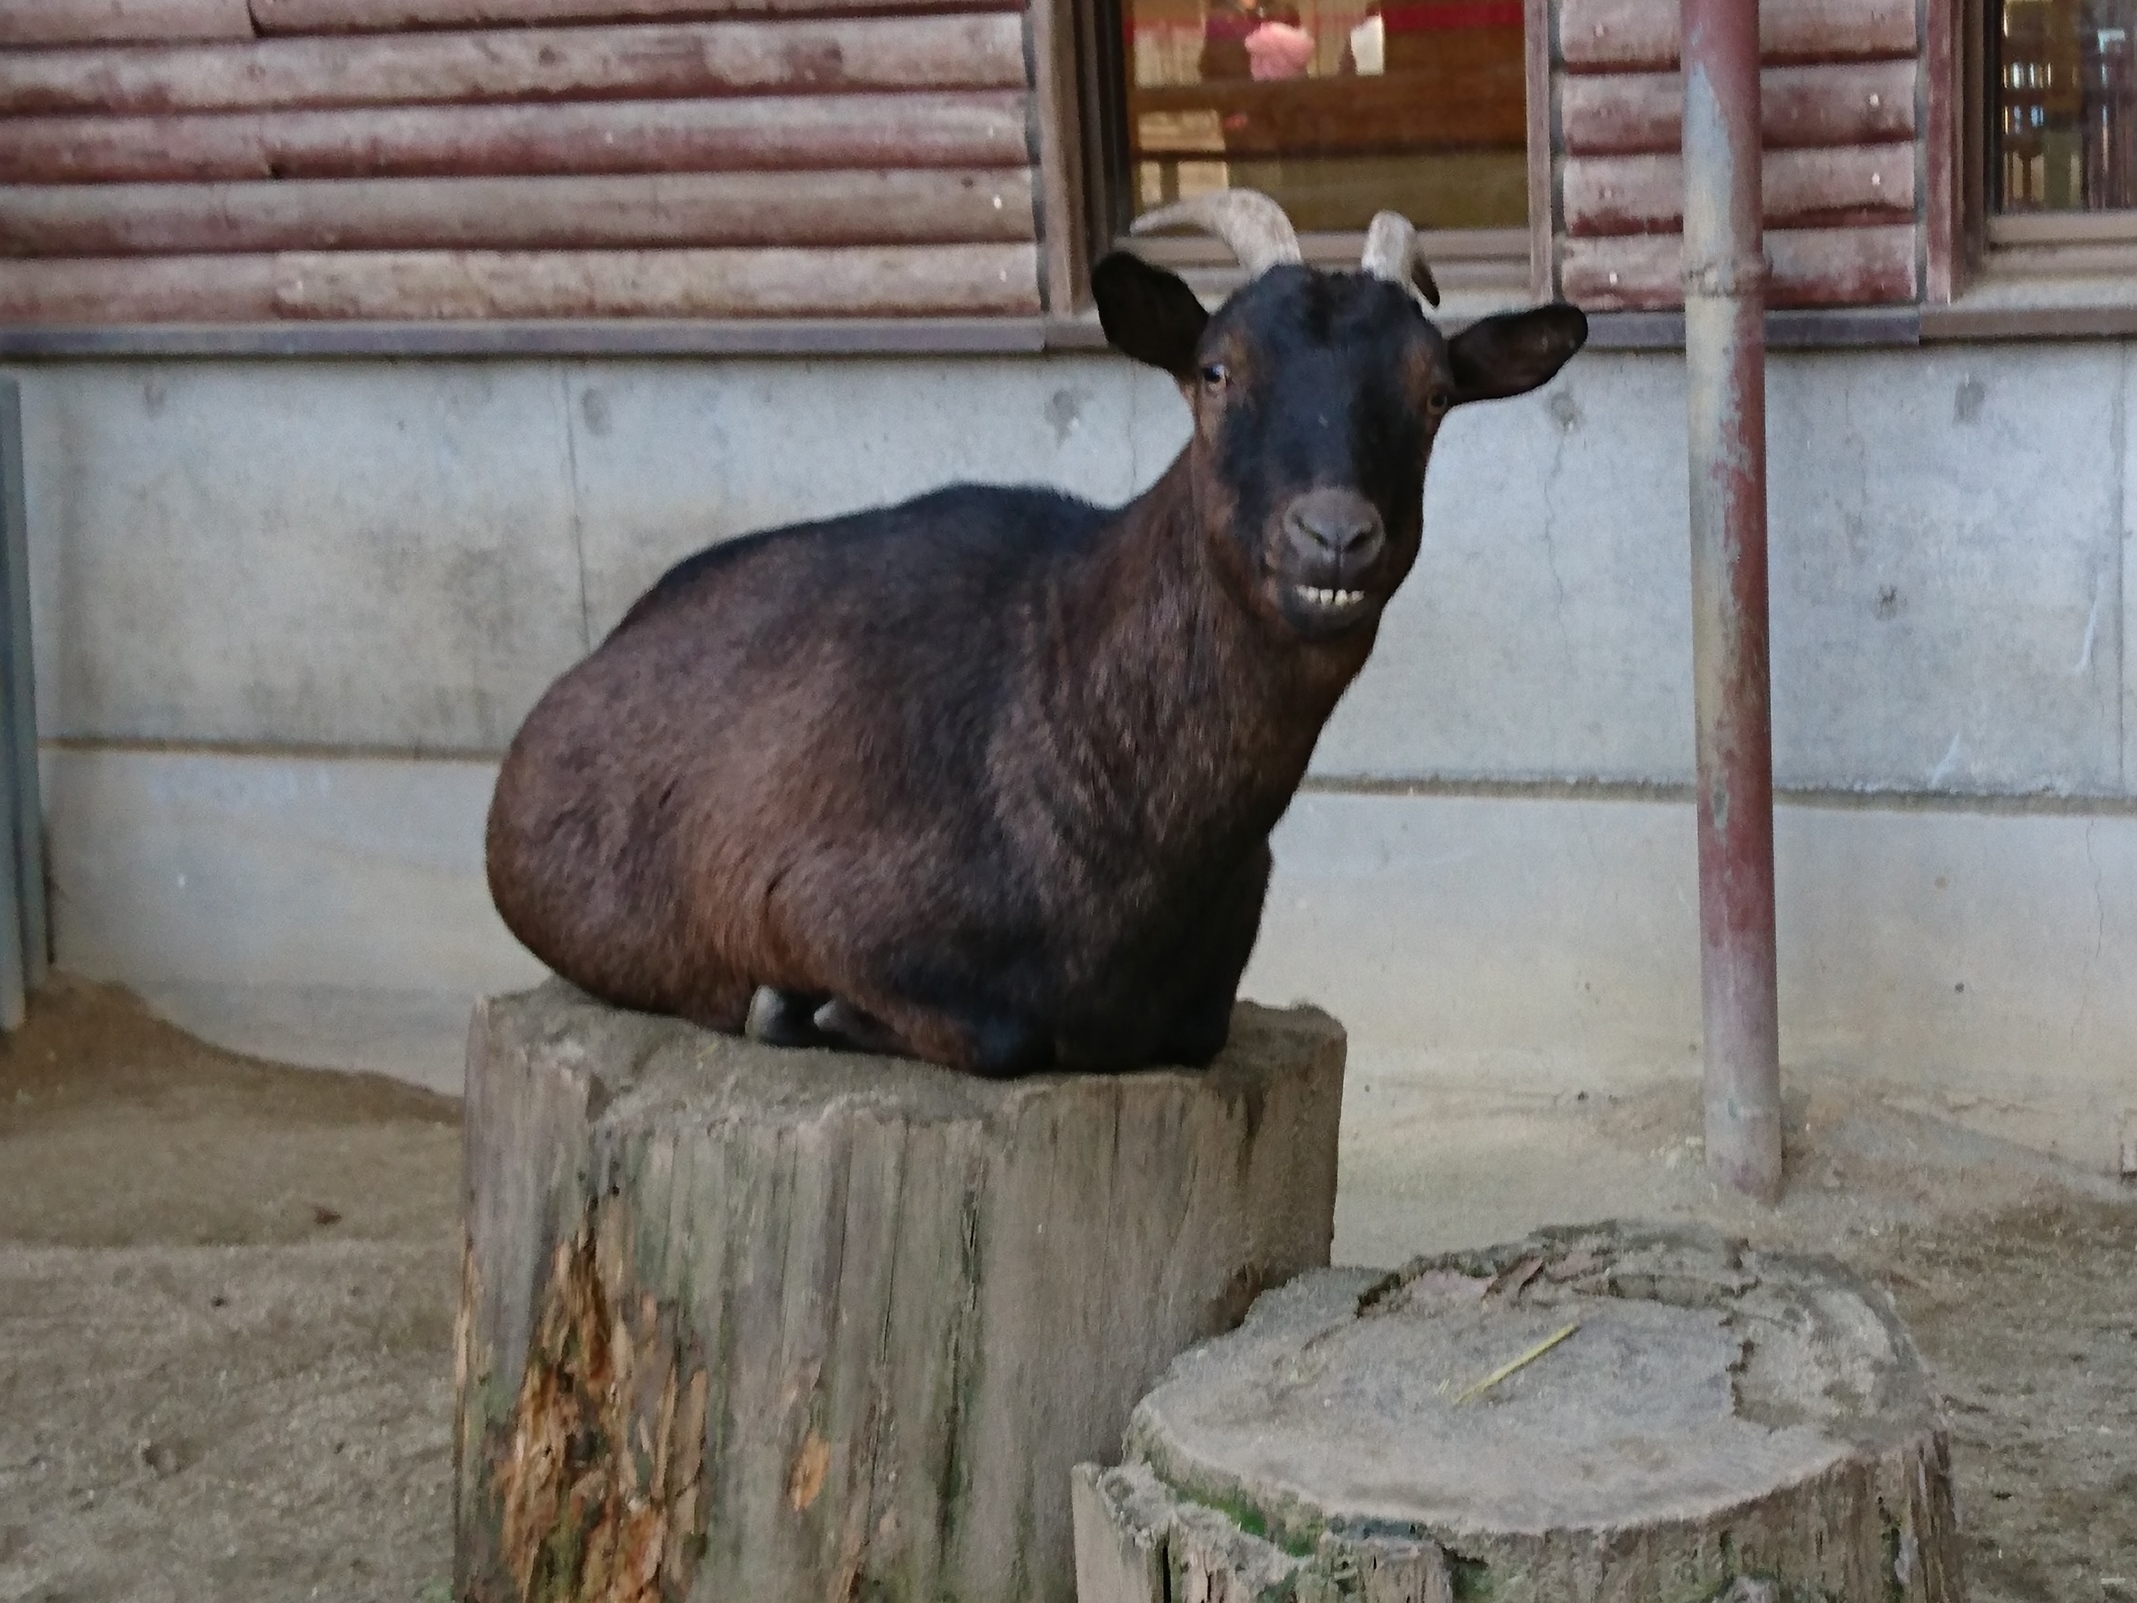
(1722, 1423)
(740, 1323)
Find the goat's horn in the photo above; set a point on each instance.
(1393, 252)
(1252, 224)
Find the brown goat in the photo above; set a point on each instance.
(988, 778)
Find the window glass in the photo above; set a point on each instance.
(2065, 107)
(1338, 108)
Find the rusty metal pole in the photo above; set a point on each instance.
(1725, 364)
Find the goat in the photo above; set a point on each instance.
(988, 778)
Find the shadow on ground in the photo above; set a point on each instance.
(226, 1294)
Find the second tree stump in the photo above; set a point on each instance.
(1603, 1415)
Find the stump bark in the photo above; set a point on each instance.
(1720, 1424)
(738, 1322)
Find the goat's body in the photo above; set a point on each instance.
(976, 765)
(988, 778)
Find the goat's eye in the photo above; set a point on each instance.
(1437, 403)
(1216, 376)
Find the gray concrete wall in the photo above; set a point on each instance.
(288, 613)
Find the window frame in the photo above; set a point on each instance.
(1501, 264)
(2027, 275)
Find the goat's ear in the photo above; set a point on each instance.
(1148, 313)
(1512, 353)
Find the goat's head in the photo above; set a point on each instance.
(1316, 396)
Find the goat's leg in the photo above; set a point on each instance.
(994, 1046)
(785, 1018)
(714, 1002)
(1212, 960)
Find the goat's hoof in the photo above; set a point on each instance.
(844, 1025)
(782, 1018)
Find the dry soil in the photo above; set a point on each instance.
(226, 1293)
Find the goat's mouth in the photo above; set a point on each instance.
(1321, 611)
(1330, 600)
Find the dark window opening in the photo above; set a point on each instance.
(1338, 108)
(2063, 98)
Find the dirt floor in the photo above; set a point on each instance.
(225, 1317)
(226, 1292)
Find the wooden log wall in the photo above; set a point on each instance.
(1840, 88)
(256, 160)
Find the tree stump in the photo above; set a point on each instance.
(1720, 1423)
(746, 1324)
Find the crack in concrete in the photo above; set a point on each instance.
(2099, 940)
(1565, 419)
(578, 516)
(2092, 626)
(2119, 423)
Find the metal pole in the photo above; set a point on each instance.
(22, 909)
(1725, 362)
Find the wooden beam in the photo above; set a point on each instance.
(726, 58)
(1636, 35)
(1607, 195)
(556, 336)
(959, 280)
(831, 208)
(1942, 154)
(1811, 267)
(1059, 155)
(1543, 225)
(408, 16)
(1629, 114)
(791, 132)
(218, 289)
(80, 22)
(883, 281)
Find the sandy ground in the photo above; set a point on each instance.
(226, 1290)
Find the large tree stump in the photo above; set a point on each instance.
(1720, 1424)
(751, 1325)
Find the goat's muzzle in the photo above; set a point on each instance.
(1333, 541)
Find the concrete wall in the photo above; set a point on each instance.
(289, 612)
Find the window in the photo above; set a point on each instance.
(1535, 143)
(2064, 97)
(2049, 169)
(1338, 108)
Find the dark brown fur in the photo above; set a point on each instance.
(987, 778)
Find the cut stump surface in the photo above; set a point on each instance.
(1719, 1423)
(745, 1323)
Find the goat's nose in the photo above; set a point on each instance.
(1335, 523)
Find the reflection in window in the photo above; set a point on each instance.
(2066, 106)
(1336, 107)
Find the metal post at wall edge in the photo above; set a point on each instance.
(23, 924)
(1725, 276)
